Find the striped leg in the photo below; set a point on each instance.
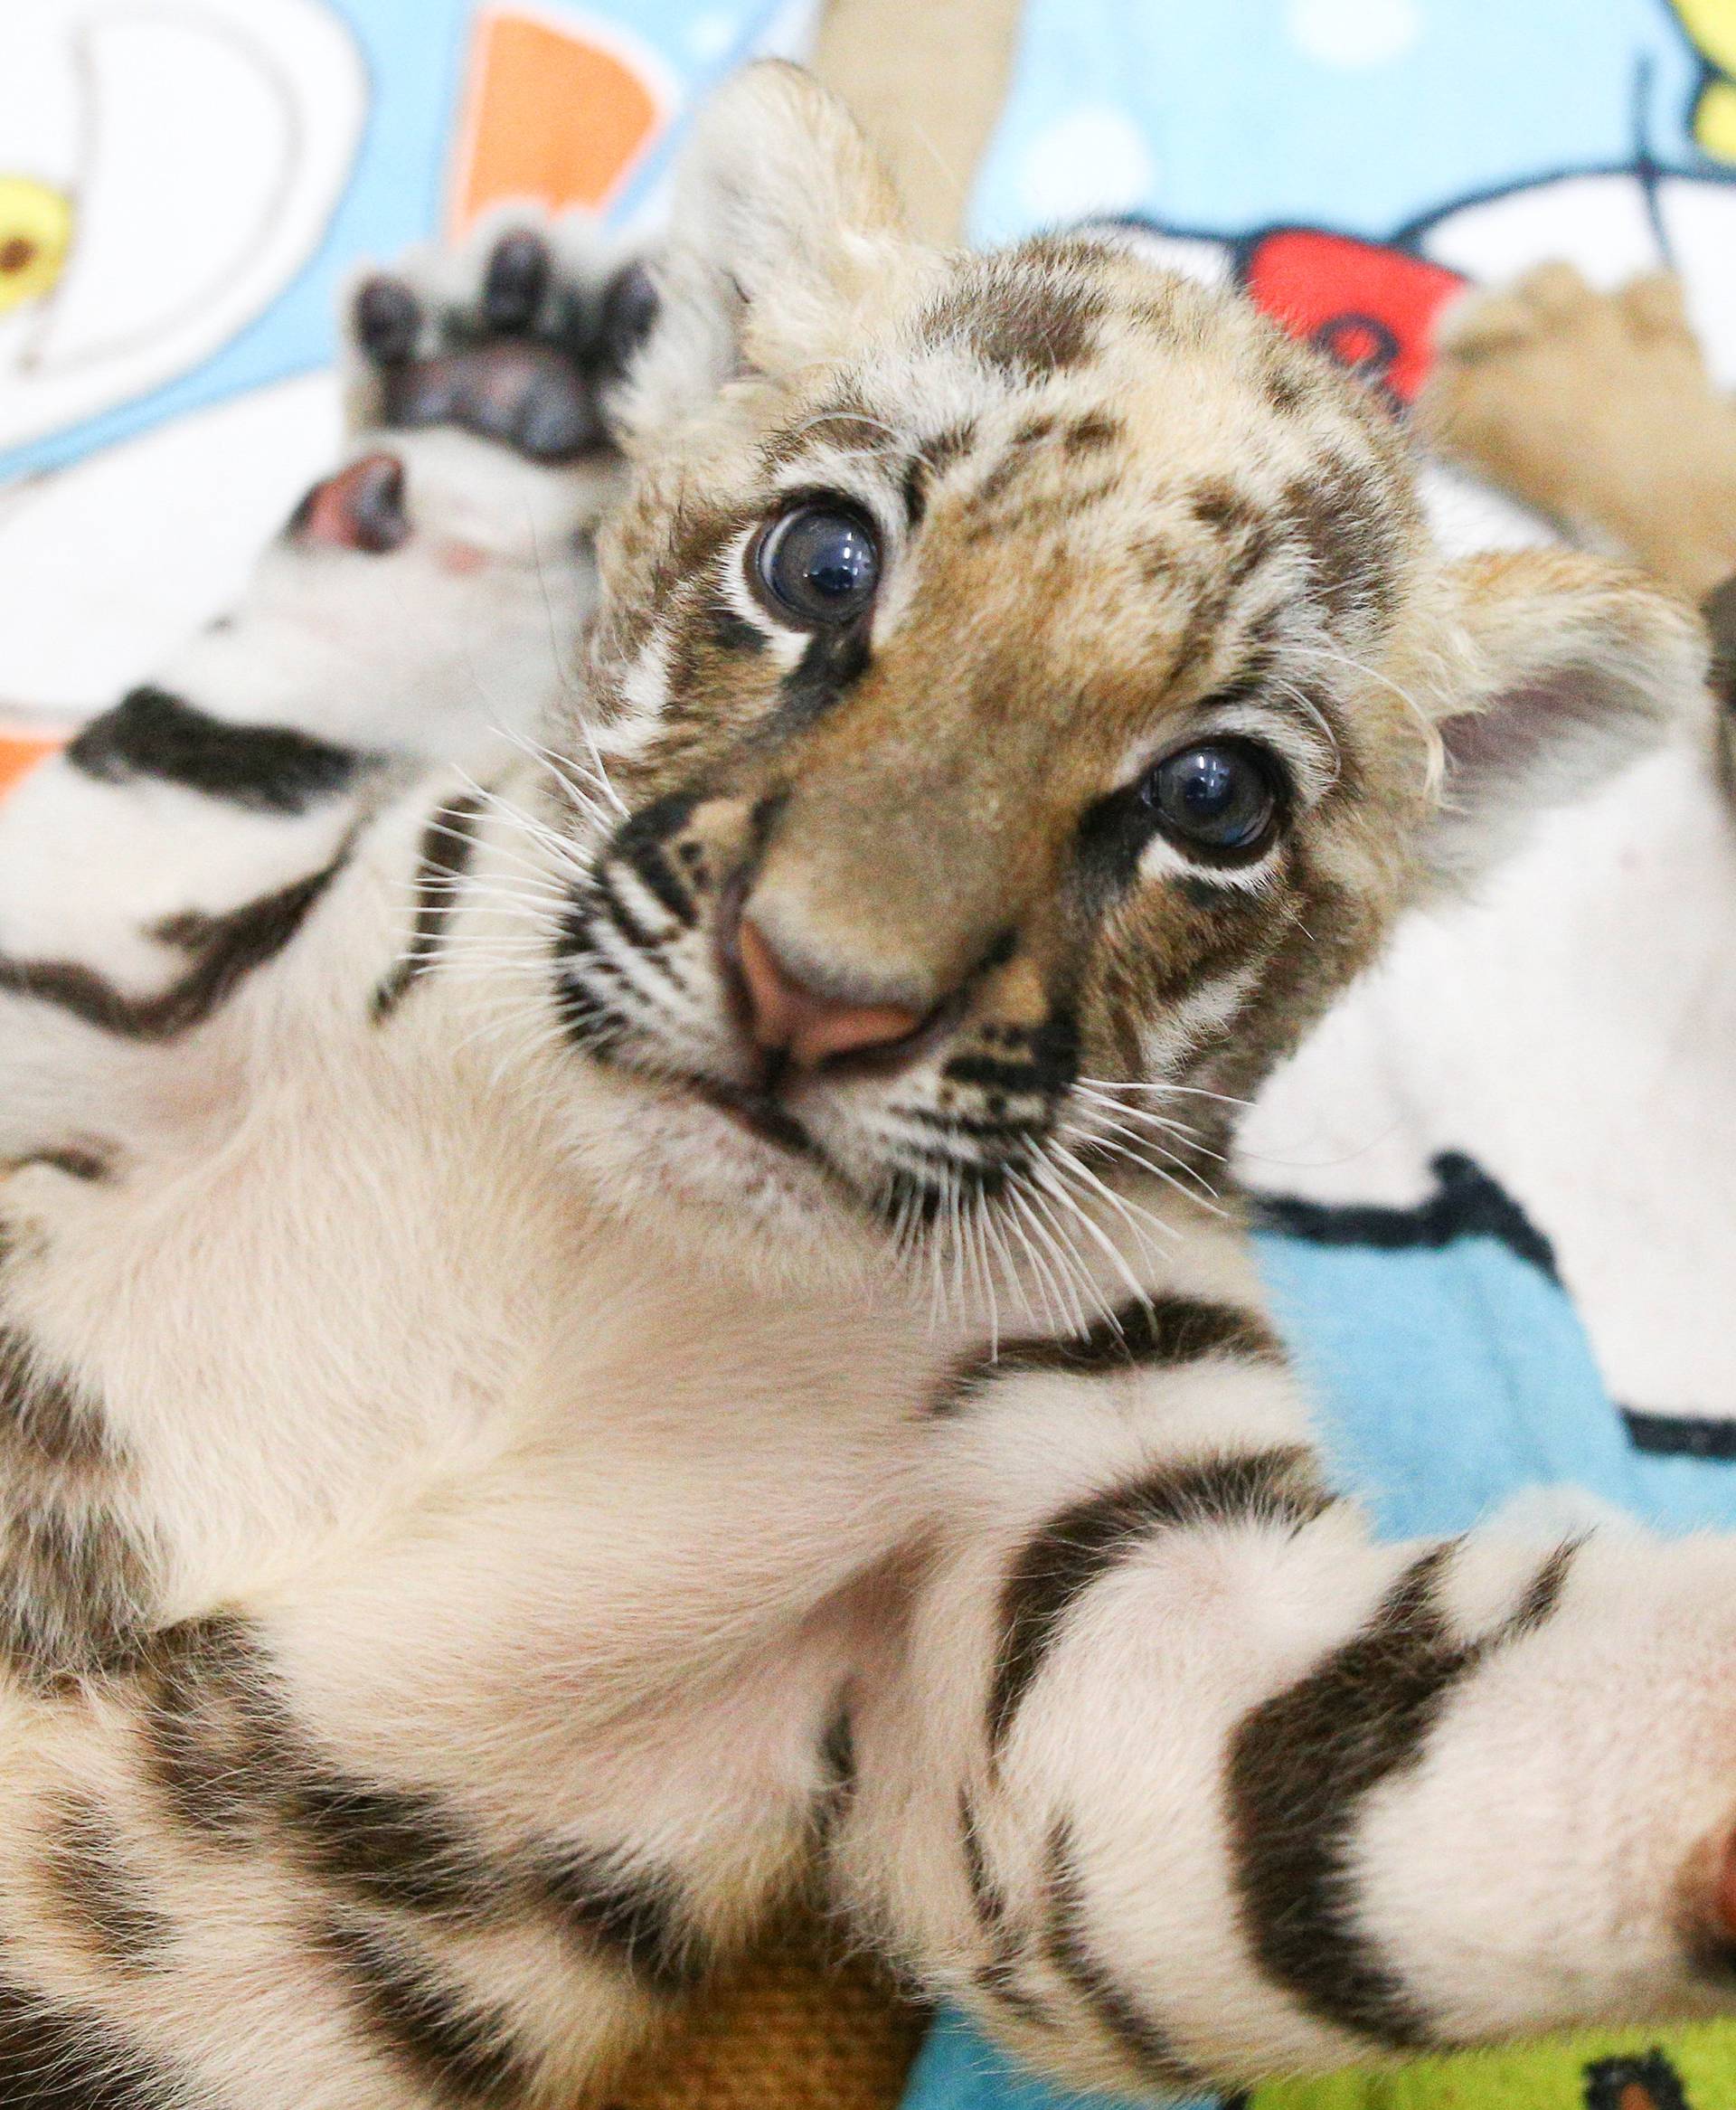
(220, 1890)
(1177, 1776)
(421, 600)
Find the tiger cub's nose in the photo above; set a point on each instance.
(788, 1015)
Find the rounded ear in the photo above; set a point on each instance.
(1575, 668)
(785, 240)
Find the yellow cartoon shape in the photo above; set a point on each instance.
(1712, 24)
(35, 233)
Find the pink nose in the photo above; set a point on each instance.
(788, 1018)
(362, 507)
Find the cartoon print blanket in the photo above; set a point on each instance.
(185, 186)
(1496, 1183)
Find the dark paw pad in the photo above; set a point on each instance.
(388, 321)
(524, 395)
(522, 365)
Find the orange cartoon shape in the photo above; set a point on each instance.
(560, 110)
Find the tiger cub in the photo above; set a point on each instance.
(600, 1322)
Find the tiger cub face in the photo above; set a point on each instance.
(1030, 693)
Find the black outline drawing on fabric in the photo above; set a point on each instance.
(1468, 1203)
(1647, 2083)
(1379, 346)
(84, 67)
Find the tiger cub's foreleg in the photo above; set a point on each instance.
(1179, 1777)
(422, 600)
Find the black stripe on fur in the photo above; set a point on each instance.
(836, 1776)
(77, 1583)
(449, 843)
(77, 1160)
(52, 2058)
(205, 1713)
(103, 1897)
(462, 2054)
(270, 769)
(1153, 1332)
(1000, 1978)
(1062, 1560)
(1141, 2041)
(234, 1767)
(1302, 1765)
(77, 1590)
(631, 1913)
(45, 1420)
(1719, 609)
(392, 1846)
(642, 843)
(224, 950)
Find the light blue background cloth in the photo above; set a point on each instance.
(957, 2071)
(1226, 115)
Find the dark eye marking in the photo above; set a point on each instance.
(731, 632)
(831, 661)
(1223, 796)
(817, 565)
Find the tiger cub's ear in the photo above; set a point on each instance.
(1575, 668)
(786, 243)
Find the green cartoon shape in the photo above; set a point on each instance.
(1684, 2070)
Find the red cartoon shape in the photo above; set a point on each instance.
(1372, 307)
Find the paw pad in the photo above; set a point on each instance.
(524, 362)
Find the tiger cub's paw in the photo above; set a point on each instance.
(517, 338)
(1596, 409)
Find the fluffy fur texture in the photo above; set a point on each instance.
(505, 1471)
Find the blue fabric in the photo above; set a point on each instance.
(1358, 115)
(1453, 1380)
(957, 2071)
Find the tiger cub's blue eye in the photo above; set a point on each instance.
(818, 565)
(1222, 795)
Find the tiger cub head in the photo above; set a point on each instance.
(1029, 693)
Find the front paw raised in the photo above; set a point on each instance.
(523, 353)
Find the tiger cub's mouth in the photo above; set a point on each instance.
(760, 1113)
